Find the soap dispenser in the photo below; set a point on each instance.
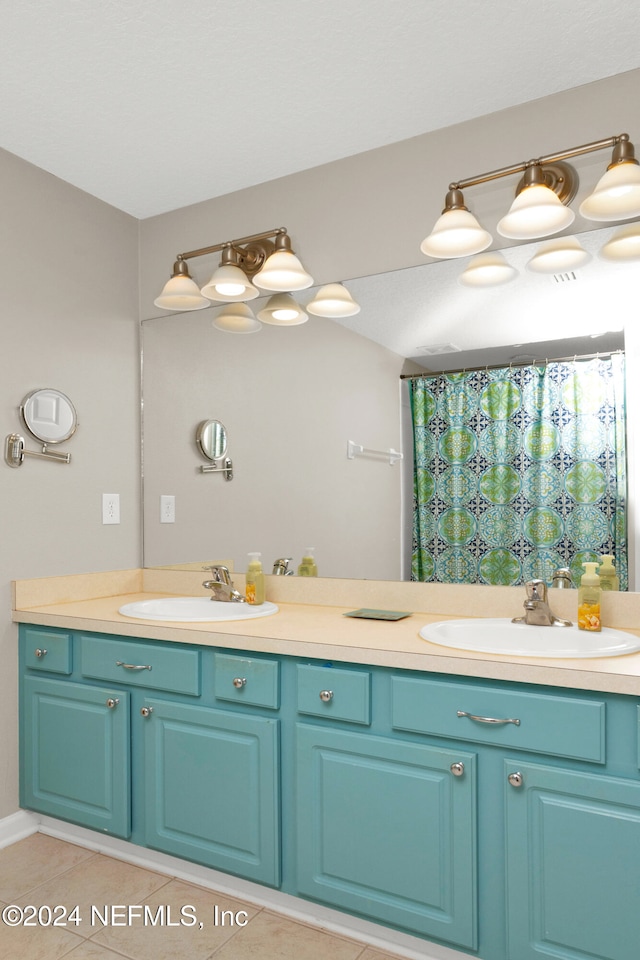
(308, 567)
(254, 590)
(589, 594)
(607, 573)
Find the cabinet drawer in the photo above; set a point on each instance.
(247, 680)
(337, 694)
(562, 726)
(47, 650)
(148, 665)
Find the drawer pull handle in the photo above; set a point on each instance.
(463, 713)
(146, 711)
(326, 695)
(132, 666)
(112, 702)
(457, 769)
(40, 653)
(515, 779)
(239, 682)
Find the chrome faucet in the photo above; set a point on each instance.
(536, 607)
(562, 578)
(281, 567)
(222, 585)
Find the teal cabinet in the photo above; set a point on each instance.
(386, 829)
(75, 753)
(211, 788)
(573, 864)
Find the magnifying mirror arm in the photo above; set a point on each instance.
(15, 452)
(225, 468)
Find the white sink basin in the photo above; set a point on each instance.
(522, 640)
(195, 610)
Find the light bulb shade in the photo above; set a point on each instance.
(559, 256)
(488, 270)
(282, 271)
(230, 284)
(181, 293)
(282, 310)
(333, 300)
(236, 318)
(616, 195)
(456, 233)
(623, 245)
(536, 212)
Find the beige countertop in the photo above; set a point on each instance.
(318, 629)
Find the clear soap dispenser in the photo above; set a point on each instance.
(589, 595)
(308, 567)
(607, 573)
(254, 581)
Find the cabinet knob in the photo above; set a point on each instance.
(457, 769)
(40, 653)
(146, 711)
(239, 682)
(113, 702)
(515, 779)
(326, 695)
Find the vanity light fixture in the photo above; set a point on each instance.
(559, 256)
(333, 300)
(266, 257)
(488, 270)
(282, 310)
(623, 245)
(236, 318)
(540, 208)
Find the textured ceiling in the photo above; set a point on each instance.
(152, 105)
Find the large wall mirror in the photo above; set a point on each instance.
(293, 397)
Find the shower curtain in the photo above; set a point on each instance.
(519, 471)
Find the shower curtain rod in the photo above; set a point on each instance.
(521, 363)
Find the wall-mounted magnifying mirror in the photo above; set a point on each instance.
(211, 437)
(49, 416)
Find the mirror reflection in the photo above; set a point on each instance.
(211, 438)
(49, 415)
(294, 398)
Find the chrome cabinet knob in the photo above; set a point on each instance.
(457, 769)
(239, 682)
(112, 702)
(40, 653)
(146, 711)
(326, 695)
(515, 779)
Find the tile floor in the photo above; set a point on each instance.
(189, 922)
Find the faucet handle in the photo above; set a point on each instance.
(219, 573)
(536, 590)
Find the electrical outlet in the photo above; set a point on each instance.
(167, 508)
(111, 508)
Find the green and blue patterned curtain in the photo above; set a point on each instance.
(519, 471)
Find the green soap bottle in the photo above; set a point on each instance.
(589, 595)
(607, 573)
(308, 567)
(254, 589)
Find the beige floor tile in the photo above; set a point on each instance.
(35, 943)
(142, 941)
(30, 862)
(272, 937)
(101, 881)
(372, 954)
(88, 950)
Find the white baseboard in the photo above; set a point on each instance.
(22, 824)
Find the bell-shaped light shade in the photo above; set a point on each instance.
(181, 293)
(616, 195)
(283, 271)
(623, 245)
(456, 233)
(488, 270)
(333, 300)
(559, 256)
(282, 310)
(536, 212)
(236, 318)
(230, 284)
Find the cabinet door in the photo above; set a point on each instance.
(387, 830)
(573, 865)
(211, 788)
(75, 753)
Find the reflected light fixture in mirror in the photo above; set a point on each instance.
(282, 310)
(236, 318)
(333, 300)
(541, 205)
(488, 270)
(623, 245)
(558, 256)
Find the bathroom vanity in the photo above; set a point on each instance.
(500, 817)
